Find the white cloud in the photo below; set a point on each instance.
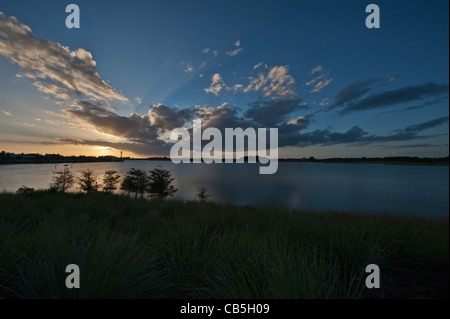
(189, 68)
(321, 85)
(317, 69)
(296, 120)
(257, 65)
(319, 82)
(237, 87)
(7, 113)
(313, 81)
(205, 50)
(27, 124)
(138, 100)
(277, 83)
(215, 52)
(324, 101)
(234, 52)
(55, 68)
(216, 86)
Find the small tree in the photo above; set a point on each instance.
(62, 180)
(88, 181)
(135, 182)
(159, 184)
(25, 190)
(202, 194)
(110, 180)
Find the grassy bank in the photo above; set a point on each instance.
(129, 248)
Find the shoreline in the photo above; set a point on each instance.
(427, 162)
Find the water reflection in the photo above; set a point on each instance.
(419, 190)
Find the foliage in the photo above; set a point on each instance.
(62, 180)
(135, 182)
(25, 190)
(173, 249)
(88, 181)
(202, 194)
(160, 183)
(110, 181)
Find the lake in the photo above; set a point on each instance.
(365, 188)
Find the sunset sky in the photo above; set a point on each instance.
(135, 70)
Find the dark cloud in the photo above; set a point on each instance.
(356, 136)
(327, 137)
(418, 145)
(354, 91)
(425, 125)
(223, 117)
(134, 127)
(402, 95)
(271, 113)
(419, 106)
(165, 118)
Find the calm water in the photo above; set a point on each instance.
(368, 188)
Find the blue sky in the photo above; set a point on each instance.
(333, 87)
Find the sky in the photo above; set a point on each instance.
(136, 70)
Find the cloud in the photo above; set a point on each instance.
(205, 50)
(319, 82)
(216, 86)
(56, 69)
(155, 148)
(133, 127)
(257, 65)
(324, 101)
(418, 145)
(143, 133)
(317, 69)
(321, 85)
(215, 53)
(7, 113)
(355, 136)
(164, 118)
(27, 124)
(271, 113)
(422, 105)
(189, 68)
(354, 91)
(425, 125)
(234, 52)
(222, 117)
(277, 83)
(385, 99)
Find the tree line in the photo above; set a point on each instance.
(156, 183)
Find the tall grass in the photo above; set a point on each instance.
(129, 248)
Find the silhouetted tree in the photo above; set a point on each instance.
(159, 184)
(135, 182)
(110, 180)
(88, 181)
(25, 190)
(62, 180)
(202, 194)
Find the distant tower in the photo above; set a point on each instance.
(120, 154)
